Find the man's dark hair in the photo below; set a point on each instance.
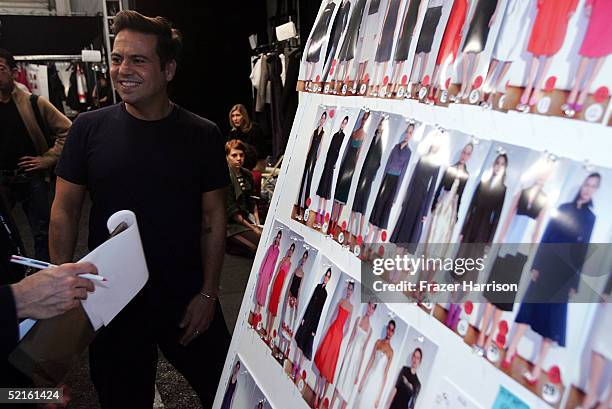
(169, 40)
(8, 57)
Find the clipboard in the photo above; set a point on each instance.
(52, 346)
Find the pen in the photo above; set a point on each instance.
(30, 262)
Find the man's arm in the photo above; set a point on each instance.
(65, 215)
(201, 310)
(213, 238)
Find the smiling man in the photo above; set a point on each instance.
(167, 165)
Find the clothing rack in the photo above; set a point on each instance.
(53, 57)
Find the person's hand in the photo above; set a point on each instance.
(256, 229)
(197, 318)
(33, 163)
(53, 291)
(534, 275)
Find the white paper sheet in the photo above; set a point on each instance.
(122, 262)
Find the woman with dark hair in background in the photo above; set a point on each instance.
(243, 129)
(243, 231)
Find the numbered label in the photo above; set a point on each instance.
(543, 105)
(362, 89)
(341, 238)
(444, 96)
(594, 113)
(344, 89)
(462, 327)
(383, 92)
(422, 92)
(501, 102)
(551, 393)
(357, 250)
(474, 96)
(324, 227)
(400, 92)
(326, 89)
(306, 215)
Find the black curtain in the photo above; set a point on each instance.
(214, 72)
(33, 35)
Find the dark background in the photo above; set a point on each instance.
(214, 72)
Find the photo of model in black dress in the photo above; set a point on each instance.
(385, 43)
(556, 273)
(368, 173)
(327, 177)
(347, 169)
(317, 38)
(402, 47)
(417, 201)
(349, 46)
(338, 26)
(311, 161)
(305, 334)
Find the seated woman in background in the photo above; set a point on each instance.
(250, 133)
(243, 231)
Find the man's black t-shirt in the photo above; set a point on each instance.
(158, 170)
(15, 140)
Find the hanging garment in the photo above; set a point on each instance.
(276, 111)
(369, 170)
(481, 223)
(383, 53)
(56, 88)
(508, 266)
(229, 394)
(277, 286)
(374, 383)
(22, 76)
(81, 85)
(452, 33)
(310, 321)
(478, 33)
(407, 389)
(64, 71)
(445, 208)
(349, 44)
(559, 271)
(596, 41)
(289, 97)
(38, 79)
(406, 32)
(326, 357)
(311, 162)
(347, 167)
(417, 201)
(550, 26)
(327, 177)
(265, 274)
(397, 164)
(319, 33)
(370, 34)
(513, 31)
(349, 371)
(428, 29)
(72, 98)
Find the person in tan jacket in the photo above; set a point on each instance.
(29, 149)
